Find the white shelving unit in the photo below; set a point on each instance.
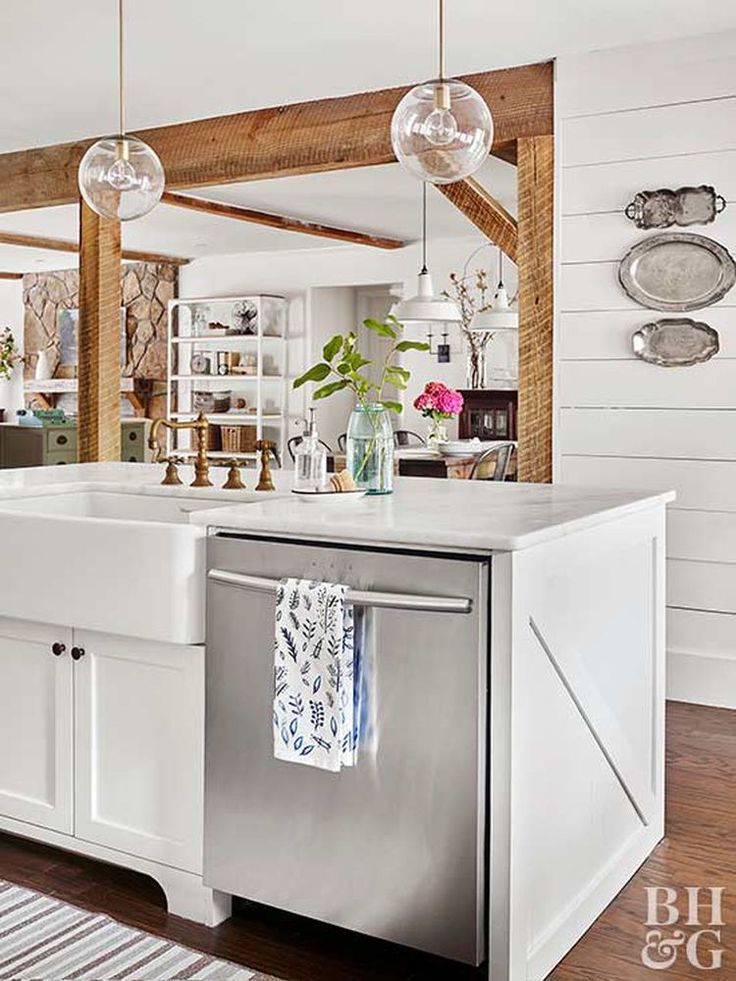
(259, 340)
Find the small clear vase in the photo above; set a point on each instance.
(437, 433)
(370, 448)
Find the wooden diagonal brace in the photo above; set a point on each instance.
(482, 209)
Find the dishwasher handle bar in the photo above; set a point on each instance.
(384, 601)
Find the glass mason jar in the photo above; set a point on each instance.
(370, 448)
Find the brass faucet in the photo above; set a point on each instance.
(265, 479)
(200, 426)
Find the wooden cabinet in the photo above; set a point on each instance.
(46, 446)
(139, 737)
(104, 739)
(36, 724)
(488, 414)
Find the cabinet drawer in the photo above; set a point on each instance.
(60, 457)
(133, 454)
(61, 439)
(133, 435)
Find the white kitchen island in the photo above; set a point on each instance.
(571, 801)
(570, 715)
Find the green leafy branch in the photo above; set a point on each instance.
(9, 355)
(343, 362)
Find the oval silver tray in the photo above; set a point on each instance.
(679, 342)
(677, 271)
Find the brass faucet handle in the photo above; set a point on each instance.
(234, 480)
(172, 478)
(265, 479)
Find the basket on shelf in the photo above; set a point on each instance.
(214, 439)
(238, 439)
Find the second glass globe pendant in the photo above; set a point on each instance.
(120, 176)
(442, 130)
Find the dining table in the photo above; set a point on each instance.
(420, 461)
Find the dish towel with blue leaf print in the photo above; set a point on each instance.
(317, 685)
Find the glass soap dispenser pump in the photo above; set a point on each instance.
(310, 459)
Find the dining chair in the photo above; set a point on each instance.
(342, 442)
(500, 456)
(294, 441)
(404, 438)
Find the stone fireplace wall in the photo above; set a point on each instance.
(147, 288)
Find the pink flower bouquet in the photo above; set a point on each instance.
(437, 401)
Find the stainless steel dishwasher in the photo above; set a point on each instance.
(396, 846)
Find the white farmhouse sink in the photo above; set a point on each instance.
(121, 563)
(111, 506)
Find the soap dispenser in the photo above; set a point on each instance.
(310, 459)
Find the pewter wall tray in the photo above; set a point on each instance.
(685, 206)
(677, 271)
(674, 343)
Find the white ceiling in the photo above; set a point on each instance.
(193, 58)
(187, 59)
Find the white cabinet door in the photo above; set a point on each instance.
(139, 747)
(36, 724)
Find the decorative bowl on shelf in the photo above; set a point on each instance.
(211, 402)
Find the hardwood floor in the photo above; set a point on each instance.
(699, 850)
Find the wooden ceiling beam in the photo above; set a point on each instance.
(304, 138)
(281, 222)
(485, 212)
(506, 151)
(65, 245)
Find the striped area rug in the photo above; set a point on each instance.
(43, 939)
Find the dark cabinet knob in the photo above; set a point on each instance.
(77, 653)
(58, 649)
(61, 440)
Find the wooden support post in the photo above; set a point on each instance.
(536, 320)
(99, 337)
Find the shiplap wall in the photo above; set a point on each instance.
(627, 120)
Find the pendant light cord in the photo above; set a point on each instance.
(441, 39)
(424, 227)
(121, 69)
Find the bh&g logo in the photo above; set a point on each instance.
(698, 934)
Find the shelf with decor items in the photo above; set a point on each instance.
(227, 357)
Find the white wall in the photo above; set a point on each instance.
(303, 275)
(11, 315)
(628, 120)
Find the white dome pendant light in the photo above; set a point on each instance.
(120, 176)
(501, 313)
(426, 307)
(442, 130)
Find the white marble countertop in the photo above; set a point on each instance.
(482, 516)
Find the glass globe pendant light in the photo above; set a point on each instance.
(426, 307)
(120, 176)
(442, 130)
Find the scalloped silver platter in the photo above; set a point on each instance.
(677, 271)
(676, 343)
